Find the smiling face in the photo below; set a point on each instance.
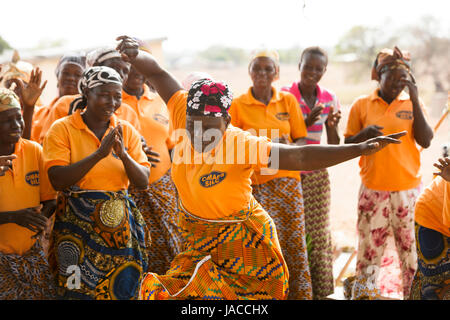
(205, 132)
(103, 101)
(391, 84)
(135, 81)
(68, 79)
(122, 67)
(312, 68)
(11, 126)
(263, 72)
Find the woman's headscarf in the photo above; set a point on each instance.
(17, 69)
(8, 100)
(78, 59)
(209, 98)
(388, 59)
(268, 53)
(98, 56)
(93, 77)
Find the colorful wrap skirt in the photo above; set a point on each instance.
(158, 205)
(234, 258)
(316, 199)
(282, 199)
(27, 276)
(98, 246)
(432, 278)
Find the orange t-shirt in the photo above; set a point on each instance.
(433, 206)
(39, 121)
(25, 186)
(61, 109)
(69, 140)
(217, 183)
(396, 167)
(281, 116)
(154, 122)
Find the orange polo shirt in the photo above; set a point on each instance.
(282, 114)
(61, 109)
(433, 206)
(154, 122)
(25, 186)
(69, 140)
(40, 119)
(396, 167)
(217, 183)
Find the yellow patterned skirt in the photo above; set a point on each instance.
(237, 257)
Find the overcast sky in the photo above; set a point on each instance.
(197, 24)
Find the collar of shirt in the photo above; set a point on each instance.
(147, 94)
(77, 121)
(401, 97)
(296, 92)
(251, 100)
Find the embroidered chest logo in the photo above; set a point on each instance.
(282, 116)
(211, 179)
(404, 115)
(32, 178)
(161, 119)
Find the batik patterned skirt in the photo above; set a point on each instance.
(282, 199)
(316, 199)
(237, 257)
(27, 276)
(158, 205)
(99, 245)
(432, 278)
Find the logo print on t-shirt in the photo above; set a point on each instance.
(211, 179)
(160, 118)
(32, 178)
(404, 115)
(283, 116)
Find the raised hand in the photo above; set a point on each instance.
(371, 131)
(30, 92)
(118, 145)
(314, 115)
(5, 163)
(107, 144)
(376, 144)
(443, 165)
(128, 47)
(412, 87)
(333, 118)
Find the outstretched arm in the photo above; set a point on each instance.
(314, 157)
(163, 82)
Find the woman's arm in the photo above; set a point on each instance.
(30, 218)
(314, 157)
(331, 126)
(164, 82)
(423, 134)
(63, 177)
(137, 173)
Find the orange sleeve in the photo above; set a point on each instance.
(56, 147)
(296, 121)
(132, 139)
(446, 207)
(177, 109)
(354, 125)
(45, 188)
(234, 114)
(59, 110)
(257, 150)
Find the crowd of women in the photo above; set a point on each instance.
(133, 185)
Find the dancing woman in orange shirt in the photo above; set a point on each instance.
(91, 158)
(390, 179)
(232, 249)
(27, 200)
(265, 111)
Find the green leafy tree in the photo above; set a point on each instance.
(4, 45)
